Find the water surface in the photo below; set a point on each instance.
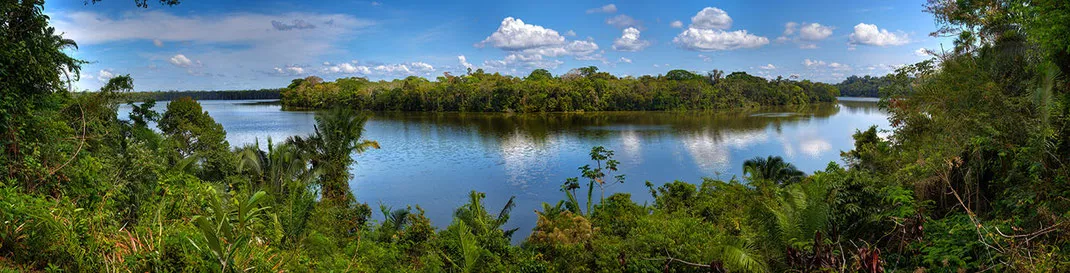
(434, 159)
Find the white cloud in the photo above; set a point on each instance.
(464, 61)
(290, 70)
(711, 18)
(181, 61)
(623, 21)
(820, 65)
(921, 52)
(157, 42)
(814, 32)
(806, 35)
(867, 34)
(676, 24)
(104, 75)
(422, 67)
(789, 28)
(514, 34)
(393, 68)
(629, 41)
(716, 39)
(625, 60)
(402, 69)
(375, 3)
(520, 60)
(346, 68)
(570, 33)
(813, 63)
(839, 66)
(611, 8)
(768, 67)
(705, 58)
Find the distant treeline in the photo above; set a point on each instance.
(262, 94)
(865, 86)
(582, 89)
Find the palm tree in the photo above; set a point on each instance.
(773, 169)
(338, 134)
(275, 168)
(479, 220)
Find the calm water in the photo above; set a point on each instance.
(434, 159)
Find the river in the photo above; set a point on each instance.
(434, 159)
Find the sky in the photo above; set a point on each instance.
(229, 45)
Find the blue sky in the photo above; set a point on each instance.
(216, 45)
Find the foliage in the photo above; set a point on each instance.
(972, 176)
(584, 89)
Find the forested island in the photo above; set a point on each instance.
(582, 89)
(865, 86)
(974, 176)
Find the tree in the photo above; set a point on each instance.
(595, 176)
(539, 74)
(190, 132)
(338, 134)
(35, 67)
(772, 169)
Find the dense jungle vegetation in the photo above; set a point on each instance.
(582, 89)
(865, 86)
(973, 177)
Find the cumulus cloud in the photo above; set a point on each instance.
(522, 60)
(789, 28)
(464, 61)
(346, 68)
(290, 70)
(532, 46)
(839, 66)
(805, 34)
(157, 42)
(676, 24)
(611, 8)
(570, 33)
(297, 24)
(768, 67)
(711, 18)
(716, 39)
(105, 74)
(707, 33)
(822, 65)
(814, 32)
(514, 34)
(813, 63)
(867, 34)
(397, 69)
(181, 61)
(623, 21)
(624, 60)
(629, 41)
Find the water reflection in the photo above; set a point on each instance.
(434, 159)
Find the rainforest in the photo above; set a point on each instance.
(972, 174)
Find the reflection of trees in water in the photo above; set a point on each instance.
(602, 125)
(860, 107)
(525, 141)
